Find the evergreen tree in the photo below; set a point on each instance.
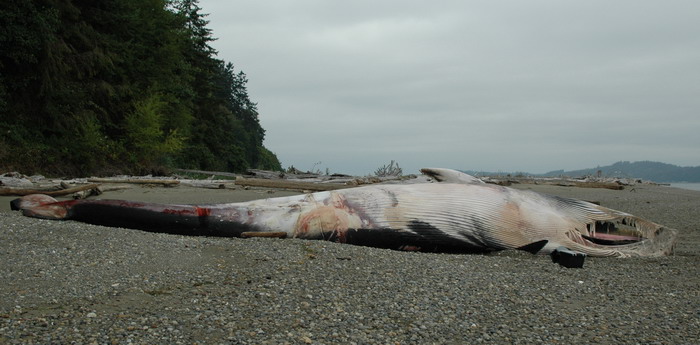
(89, 87)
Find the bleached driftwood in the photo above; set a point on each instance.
(267, 174)
(210, 184)
(593, 184)
(133, 180)
(286, 184)
(60, 192)
(84, 194)
(219, 173)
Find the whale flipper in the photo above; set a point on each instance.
(534, 247)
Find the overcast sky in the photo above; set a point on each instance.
(479, 85)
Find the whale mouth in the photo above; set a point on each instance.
(616, 232)
(628, 235)
(612, 240)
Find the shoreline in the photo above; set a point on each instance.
(695, 186)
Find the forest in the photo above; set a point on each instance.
(120, 86)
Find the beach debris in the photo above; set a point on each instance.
(204, 172)
(15, 179)
(51, 192)
(287, 184)
(17, 184)
(567, 257)
(615, 184)
(130, 180)
(83, 194)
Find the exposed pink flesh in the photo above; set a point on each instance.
(616, 237)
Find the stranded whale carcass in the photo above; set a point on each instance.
(459, 214)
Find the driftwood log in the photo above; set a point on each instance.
(134, 181)
(60, 192)
(203, 172)
(210, 184)
(285, 184)
(556, 182)
(99, 190)
(256, 173)
(606, 185)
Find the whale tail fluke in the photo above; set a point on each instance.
(39, 206)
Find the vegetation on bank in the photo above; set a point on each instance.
(95, 87)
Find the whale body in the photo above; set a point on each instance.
(458, 214)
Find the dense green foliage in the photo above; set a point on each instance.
(120, 85)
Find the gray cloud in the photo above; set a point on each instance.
(499, 85)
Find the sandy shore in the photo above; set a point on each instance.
(66, 282)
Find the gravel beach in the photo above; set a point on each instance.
(64, 282)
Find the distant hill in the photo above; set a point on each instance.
(653, 171)
(646, 170)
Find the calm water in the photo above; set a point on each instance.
(687, 185)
